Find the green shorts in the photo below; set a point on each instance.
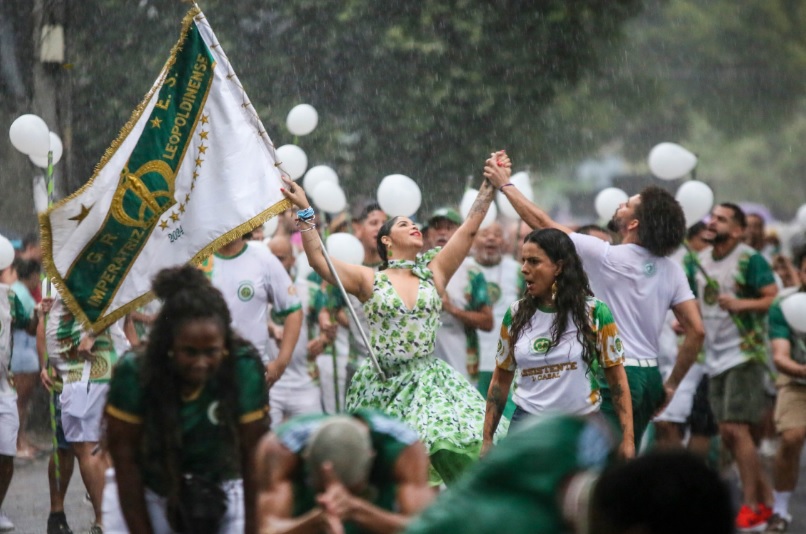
(647, 393)
(737, 395)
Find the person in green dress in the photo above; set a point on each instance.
(191, 405)
(402, 303)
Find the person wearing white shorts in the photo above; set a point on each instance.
(84, 363)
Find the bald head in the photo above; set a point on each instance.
(281, 247)
(344, 443)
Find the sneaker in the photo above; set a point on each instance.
(748, 520)
(5, 523)
(777, 523)
(57, 524)
(764, 512)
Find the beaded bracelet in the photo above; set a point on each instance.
(503, 186)
(305, 214)
(311, 227)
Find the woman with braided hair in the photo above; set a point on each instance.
(184, 416)
(560, 337)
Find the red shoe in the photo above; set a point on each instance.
(764, 512)
(748, 520)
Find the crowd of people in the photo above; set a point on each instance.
(525, 376)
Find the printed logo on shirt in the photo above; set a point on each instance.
(619, 346)
(246, 290)
(494, 291)
(649, 268)
(710, 294)
(212, 413)
(541, 345)
(292, 290)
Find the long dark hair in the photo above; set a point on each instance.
(384, 231)
(572, 291)
(187, 295)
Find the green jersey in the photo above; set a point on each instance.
(202, 453)
(515, 488)
(389, 437)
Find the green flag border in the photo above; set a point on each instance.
(44, 218)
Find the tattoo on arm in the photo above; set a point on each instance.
(618, 393)
(483, 199)
(496, 401)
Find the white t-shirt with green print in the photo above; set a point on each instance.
(555, 378)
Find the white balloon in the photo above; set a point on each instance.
(292, 160)
(270, 226)
(317, 175)
(696, 199)
(794, 309)
(329, 197)
(399, 195)
(467, 203)
(345, 247)
(607, 202)
(302, 119)
(6, 253)
(30, 135)
(55, 146)
(670, 161)
(801, 216)
(520, 180)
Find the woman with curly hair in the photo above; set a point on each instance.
(184, 416)
(559, 336)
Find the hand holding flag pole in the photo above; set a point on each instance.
(295, 194)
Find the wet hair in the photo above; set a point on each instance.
(30, 240)
(385, 230)
(662, 224)
(648, 493)
(26, 268)
(362, 209)
(695, 229)
(588, 228)
(187, 295)
(738, 213)
(573, 290)
(344, 442)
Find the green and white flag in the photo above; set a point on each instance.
(191, 170)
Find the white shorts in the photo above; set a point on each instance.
(83, 411)
(285, 403)
(114, 523)
(9, 425)
(679, 408)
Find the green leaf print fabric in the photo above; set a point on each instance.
(421, 390)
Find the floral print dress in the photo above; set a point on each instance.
(428, 394)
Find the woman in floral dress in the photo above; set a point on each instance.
(402, 303)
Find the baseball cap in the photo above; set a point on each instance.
(445, 213)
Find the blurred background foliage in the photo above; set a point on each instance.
(577, 91)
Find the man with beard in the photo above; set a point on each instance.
(466, 309)
(638, 282)
(735, 288)
(505, 286)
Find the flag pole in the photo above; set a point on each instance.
(350, 308)
(48, 290)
